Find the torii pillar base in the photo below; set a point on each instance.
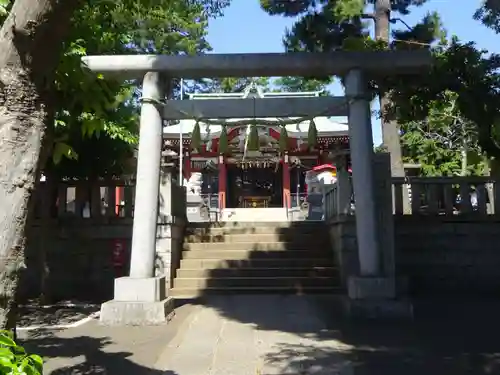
(377, 298)
(138, 302)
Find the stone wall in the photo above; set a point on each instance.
(453, 254)
(77, 258)
(438, 255)
(79, 262)
(69, 254)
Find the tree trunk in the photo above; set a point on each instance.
(31, 41)
(390, 127)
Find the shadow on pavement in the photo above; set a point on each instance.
(449, 335)
(84, 355)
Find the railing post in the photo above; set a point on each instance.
(344, 190)
(465, 203)
(62, 199)
(95, 200)
(416, 198)
(481, 198)
(449, 199)
(397, 190)
(111, 199)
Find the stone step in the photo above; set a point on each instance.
(258, 272)
(255, 227)
(266, 263)
(258, 282)
(245, 254)
(290, 236)
(272, 214)
(190, 293)
(312, 247)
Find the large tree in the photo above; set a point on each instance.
(103, 111)
(325, 25)
(489, 14)
(32, 39)
(30, 47)
(445, 142)
(465, 79)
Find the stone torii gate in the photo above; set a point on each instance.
(141, 297)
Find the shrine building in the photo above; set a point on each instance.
(256, 162)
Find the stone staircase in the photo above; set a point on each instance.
(274, 214)
(265, 257)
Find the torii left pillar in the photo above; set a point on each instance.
(140, 299)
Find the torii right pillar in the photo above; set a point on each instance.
(372, 292)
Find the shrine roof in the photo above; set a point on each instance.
(325, 126)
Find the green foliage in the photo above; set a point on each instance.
(323, 25)
(286, 84)
(90, 111)
(283, 141)
(470, 74)
(196, 138)
(14, 360)
(296, 84)
(342, 8)
(5, 6)
(489, 14)
(445, 143)
(233, 84)
(223, 141)
(327, 25)
(253, 138)
(363, 43)
(97, 118)
(312, 135)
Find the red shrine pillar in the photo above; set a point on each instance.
(119, 194)
(222, 182)
(286, 182)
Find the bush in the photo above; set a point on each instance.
(14, 360)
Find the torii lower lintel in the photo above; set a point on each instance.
(256, 108)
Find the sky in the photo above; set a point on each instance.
(246, 28)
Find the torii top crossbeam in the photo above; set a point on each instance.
(304, 64)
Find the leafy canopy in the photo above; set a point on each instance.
(489, 14)
(444, 143)
(96, 123)
(468, 72)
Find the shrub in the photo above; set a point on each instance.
(14, 360)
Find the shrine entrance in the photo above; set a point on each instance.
(254, 185)
(141, 298)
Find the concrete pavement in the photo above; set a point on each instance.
(272, 334)
(255, 335)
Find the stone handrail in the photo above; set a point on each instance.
(330, 202)
(447, 195)
(94, 200)
(337, 200)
